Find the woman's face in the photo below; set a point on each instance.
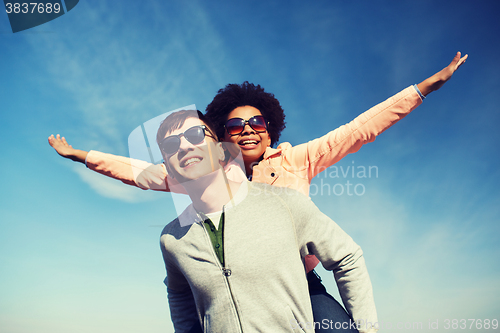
(253, 144)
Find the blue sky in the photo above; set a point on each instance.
(80, 253)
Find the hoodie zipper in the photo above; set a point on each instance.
(225, 271)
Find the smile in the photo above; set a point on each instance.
(248, 142)
(190, 161)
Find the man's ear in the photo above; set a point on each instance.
(220, 152)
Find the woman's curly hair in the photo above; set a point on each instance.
(236, 95)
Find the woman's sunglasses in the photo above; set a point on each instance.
(235, 126)
(195, 135)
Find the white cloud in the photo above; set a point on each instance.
(122, 73)
(111, 188)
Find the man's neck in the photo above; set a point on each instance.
(211, 192)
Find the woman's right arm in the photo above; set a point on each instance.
(66, 150)
(129, 171)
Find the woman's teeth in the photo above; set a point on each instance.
(249, 142)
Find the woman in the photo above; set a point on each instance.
(253, 119)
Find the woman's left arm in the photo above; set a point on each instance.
(315, 156)
(321, 153)
(436, 81)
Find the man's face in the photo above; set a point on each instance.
(192, 161)
(253, 144)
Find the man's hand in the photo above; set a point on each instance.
(66, 150)
(436, 81)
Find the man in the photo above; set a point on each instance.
(234, 257)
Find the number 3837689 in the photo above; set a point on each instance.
(32, 8)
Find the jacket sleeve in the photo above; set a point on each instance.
(180, 297)
(130, 171)
(182, 309)
(321, 153)
(317, 234)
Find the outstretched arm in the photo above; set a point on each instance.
(327, 150)
(437, 80)
(66, 150)
(129, 171)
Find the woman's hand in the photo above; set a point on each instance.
(436, 81)
(66, 150)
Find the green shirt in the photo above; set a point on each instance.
(216, 236)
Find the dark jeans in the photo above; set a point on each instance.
(329, 315)
(196, 328)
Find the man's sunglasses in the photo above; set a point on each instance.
(195, 135)
(235, 126)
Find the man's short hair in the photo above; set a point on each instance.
(175, 121)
